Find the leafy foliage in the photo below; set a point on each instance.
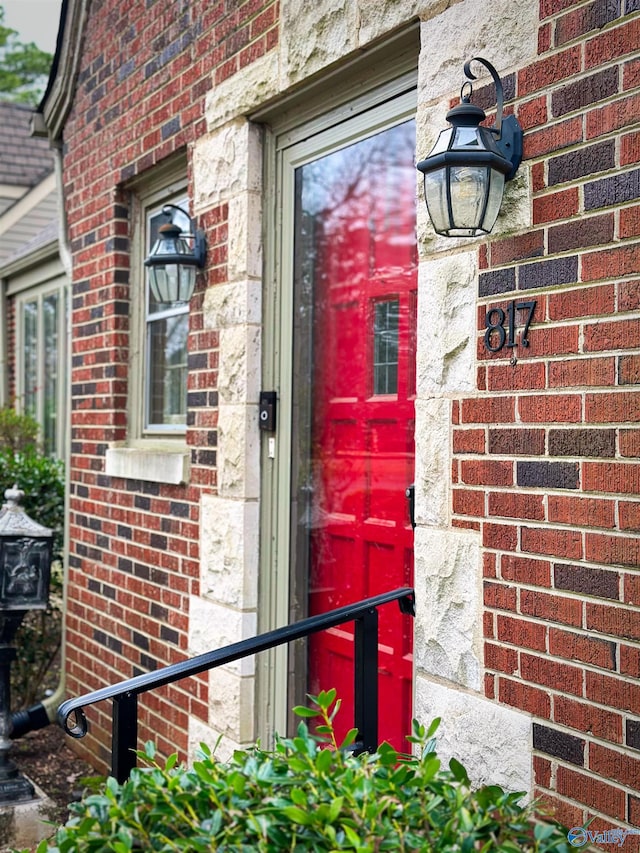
(23, 67)
(41, 479)
(309, 793)
(18, 432)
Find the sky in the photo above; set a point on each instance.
(34, 21)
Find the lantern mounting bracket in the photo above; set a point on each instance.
(195, 234)
(507, 130)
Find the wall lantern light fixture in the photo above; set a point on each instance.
(174, 259)
(465, 172)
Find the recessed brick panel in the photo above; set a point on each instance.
(585, 91)
(548, 273)
(582, 442)
(595, 231)
(550, 607)
(615, 189)
(552, 475)
(559, 744)
(497, 281)
(633, 733)
(517, 442)
(583, 20)
(568, 373)
(587, 580)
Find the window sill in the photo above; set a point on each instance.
(157, 464)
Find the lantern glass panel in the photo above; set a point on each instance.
(467, 137)
(443, 142)
(172, 282)
(469, 189)
(496, 190)
(435, 193)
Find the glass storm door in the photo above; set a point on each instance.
(355, 284)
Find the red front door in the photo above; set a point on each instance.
(356, 277)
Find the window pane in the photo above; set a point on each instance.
(167, 369)
(385, 347)
(30, 339)
(50, 411)
(167, 326)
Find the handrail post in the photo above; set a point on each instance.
(366, 680)
(124, 736)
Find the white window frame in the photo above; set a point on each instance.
(160, 453)
(39, 294)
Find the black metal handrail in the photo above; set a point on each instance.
(364, 613)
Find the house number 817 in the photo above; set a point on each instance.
(497, 335)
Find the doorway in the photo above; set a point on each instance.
(345, 371)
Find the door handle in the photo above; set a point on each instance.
(410, 494)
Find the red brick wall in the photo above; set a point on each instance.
(134, 561)
(546, 457)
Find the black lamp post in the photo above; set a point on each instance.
(25, 572)
(465, 172)
(173, 261)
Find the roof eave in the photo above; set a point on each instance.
(51, 114)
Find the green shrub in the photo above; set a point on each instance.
(18, 432)
(41, 478)
(309, 793)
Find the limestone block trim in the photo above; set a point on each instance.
(432, 462)
(446, 353)
(150, 464)
(494, 742)
(231, 304)
(227, 163)
(229, 541)
(213, 625)
(202, 733)
(448, 625)
(239, 372)
(239, 451)
(245, 237)
(500, 30)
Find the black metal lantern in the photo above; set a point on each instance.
(25, 572)
(173, 260)
(465, 172)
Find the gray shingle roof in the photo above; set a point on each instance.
(24, 159)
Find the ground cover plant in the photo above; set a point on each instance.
(309, 793)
